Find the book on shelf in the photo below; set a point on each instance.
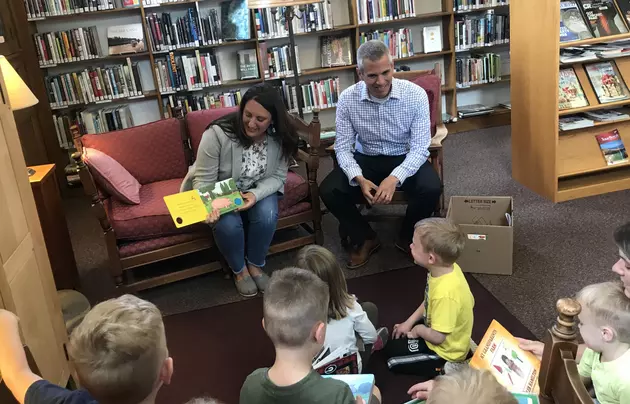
(90, 121)
(603, 17)
(67, 46)
(506, 105)
(235, 20)
(474, 31)
(336, 50)
(513, 367)
(166, 34)
(478, 69)
(432, 39)
(279, 61)
(469, 5)
(573, 23)
(574, 122)
(320, 94)
(467, 111)
(624, 8)
(36, 9)
(197, 102)
(128, 38)
(570, 93)
(187, 72)
(193, 206)
(360, 384)
(607, 82)
(608, 115)
(247, 64)
(271, 22)
(376, 11)
(612, 147)
(399, 42)
(94, 85)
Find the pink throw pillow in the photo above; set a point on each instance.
(112, 176)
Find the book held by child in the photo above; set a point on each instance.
(361, 385)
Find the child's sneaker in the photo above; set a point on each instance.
(381, 340)
(453, 367)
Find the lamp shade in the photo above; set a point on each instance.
(18, 93)
(276, 3)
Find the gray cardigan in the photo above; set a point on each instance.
(220, 158)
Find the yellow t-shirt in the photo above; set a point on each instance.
(449, 310)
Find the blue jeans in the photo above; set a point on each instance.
(256, 225)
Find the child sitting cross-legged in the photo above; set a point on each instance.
(295, 308)
(439, 330)
(605, 328)
(346, 317)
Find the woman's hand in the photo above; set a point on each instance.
(421, 391)
(535, 347)
(213, 216)
(249, 200)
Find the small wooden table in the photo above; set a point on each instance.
(53, 220)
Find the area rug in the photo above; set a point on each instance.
(214, 349)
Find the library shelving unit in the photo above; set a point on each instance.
(559, 165)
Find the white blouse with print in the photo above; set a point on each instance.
(253, 165)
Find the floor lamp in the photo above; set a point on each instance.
(289, 13)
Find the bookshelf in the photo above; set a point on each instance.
(346, 19)
(558, 165)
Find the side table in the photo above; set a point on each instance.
(53, 220)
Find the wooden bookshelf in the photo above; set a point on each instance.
(559, 165)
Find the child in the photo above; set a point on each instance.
(605, 328)
(295, 307)
(466, 386)
(440, 329)
(119, 353)
(346, 317)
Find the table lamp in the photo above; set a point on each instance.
(18, 95)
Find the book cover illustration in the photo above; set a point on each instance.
(127, 38)
(612, 147)
(336, 51)
(235, 20)
(193, 206)
(603, 17)
(338, 362)
(573, 27)
(247, 64)
(606, 82)
(524, 398)
(571, 94)
(361, 385)
(514, 368)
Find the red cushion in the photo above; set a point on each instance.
(144, 246)
(111, 176)
(295, 190)
(151, 152)
(198, 121)
(294, 210)
(431, 84)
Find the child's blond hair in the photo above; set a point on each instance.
(441, 237)
(324, 264)
(609, 306)
(469, 386)
(295, 301)
(118, 350)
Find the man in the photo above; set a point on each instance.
(389, 119)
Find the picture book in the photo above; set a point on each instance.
(524, 398)
(361, 385)
(570, 91)
(336, 362)
(514, 368)
(607, 82)
(193, 206)
(612, 147)
(573, 26)
(603, 17)
(127, 38)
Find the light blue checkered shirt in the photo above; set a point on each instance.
(401, 125)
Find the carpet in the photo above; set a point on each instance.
(214, 349)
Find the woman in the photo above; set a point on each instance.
(252, 146)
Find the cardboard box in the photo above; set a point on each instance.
(490, 232)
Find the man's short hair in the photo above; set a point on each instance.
(371, 50)
(441, 237)
(469, 386)
(295, 301)
(118, 350)
(609, 306)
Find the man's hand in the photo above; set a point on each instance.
(249, 200)
(385, 190)
(421, 391)
(401, 330)
(367, 187)
(535, 347)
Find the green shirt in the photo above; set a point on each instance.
(313, 389)
(611, 380)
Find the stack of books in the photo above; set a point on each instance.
(467, 111)
(478, 69)
(67, 46)
(399, 42)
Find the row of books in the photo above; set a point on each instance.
(187, 72)
(271, 21)
(477, 31)
(277, 62)
(91, 121)
(67, 46)
(605, 79)
(39, 9)
(588, 119)
(586, 19)
(94, 84)
(384, 10)
(167, 35)
(197, 102)
(477, 69)
(468, 5)
(318, 94)
(399, 42)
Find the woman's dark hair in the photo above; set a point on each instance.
(280, 128)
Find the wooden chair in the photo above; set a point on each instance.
(559, 379)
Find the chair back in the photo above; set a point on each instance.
(431, 82)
